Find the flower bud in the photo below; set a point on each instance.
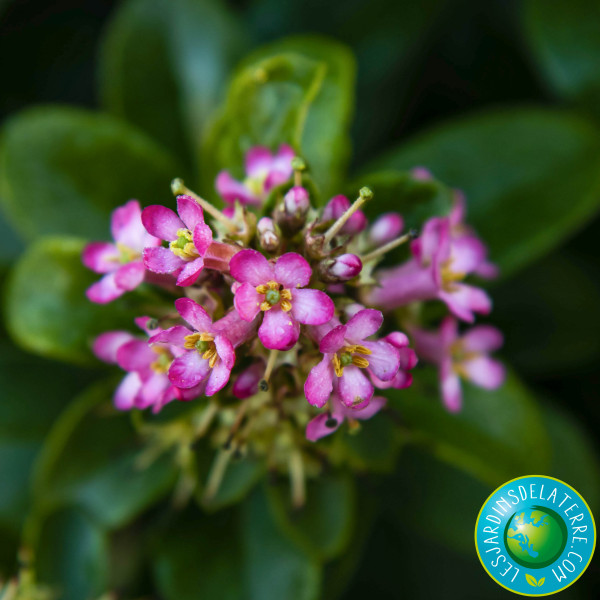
(296, 201)
(385, 229)
(336, 207)
(267, 235)
(421, 174)
(340, 268)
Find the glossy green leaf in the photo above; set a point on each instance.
(71, 554)
(47, 311)
(531, 176)
(91, 459)
(200, 556)
(63, 170)
(563, 36)
(164, 65)
(274, 567)
(498, 435)
(324, 525)
(325, 141)
(415, 199)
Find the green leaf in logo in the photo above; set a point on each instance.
(541, 581)
(531, 580)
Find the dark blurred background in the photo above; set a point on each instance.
(470, 56)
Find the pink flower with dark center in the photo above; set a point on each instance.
(208, 355)
(146, 383)
(328, 422)
(264, 171)
(336, 207)
(347, 356)
(120, 262)
(464, 356)
(274, 289)
(436, 271)
(188, 235)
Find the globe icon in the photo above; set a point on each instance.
(535, 536)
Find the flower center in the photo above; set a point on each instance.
(450, 277)
(204, 344)
(127, 254)
(161, 365)
(459, 356)
(350, 355)
(274, 294)
(255, 185)
(183, 246)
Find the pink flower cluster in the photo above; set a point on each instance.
(280, 302)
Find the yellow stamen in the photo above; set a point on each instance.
(188, 251)
(360, 362)
(189, 342)
(262, 288)
(286, 305)
(286, 294)
(337, 365)
(265, 306)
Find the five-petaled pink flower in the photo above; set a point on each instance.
(264, 171)
(346, 357)
(274, 289)
(121, 262)
(328, 422)
(461, 356)
(188, 235)
(209, 354)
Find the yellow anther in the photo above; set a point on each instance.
(286, 294)
(265, 306)
(360, 362)
(337, 365)
(286, 305)
(183, 246)
(189, 341)
(262, 288)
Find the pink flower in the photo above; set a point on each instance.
(146, 383)
(189, 238)
(437, 268)
(209, 354)
(336, 207)
(121, 262)
(346, 356)
(326, 423)
(461, 356)
(385, 228)
(408, 361)
(264, 171)
(275, 290)
(246, 383)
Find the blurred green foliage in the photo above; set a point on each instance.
(189, 85)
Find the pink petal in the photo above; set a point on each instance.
(250, 266)
(408, 358)
(311, 307)
(333, 340)
(235, 328)
(258, 161)
(292, 270)
(135, 355)
(428, 344)
(397, 339)
(362, 414)
(101, 257)
(203, 238)
(154, 392)
(194, 314)
(384, 359)
(487, 270)
(483, 338)
(162, 222)
(225, 351)
(126, 226)
(467, 253)
(188, 370)
(127, 391)
(464, 300)
(190, 212)
(387, 227)
(320, 427)
(434, 242)
(450, 387)
(106, 345)
(218, 378)
(363, 324)
(247, 302)
(246, 382)
(173, 336)
(129, 276)
(143, 322)
(485, 372)
(190, 272)
(278, 331)
(354, 387)
(104, 291)
(162, 260)
(231, 190)
(402, 380)
(319, 383)
(448, 333)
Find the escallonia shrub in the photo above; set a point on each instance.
(271, 314)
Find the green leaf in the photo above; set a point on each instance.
(323, 527)
(47, 311)
(325, 140)
(416, 200)
(498, 435)
(89, 456)
(164, 64)
(64, 170)
(531, 579)
(274, 567)
(531, 176)
(200, 556)
(563, 36)
(71, 554)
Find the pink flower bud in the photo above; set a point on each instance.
(340, 268)
(267, 234)
(296, 201)
(421, 174)
(386, 228)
